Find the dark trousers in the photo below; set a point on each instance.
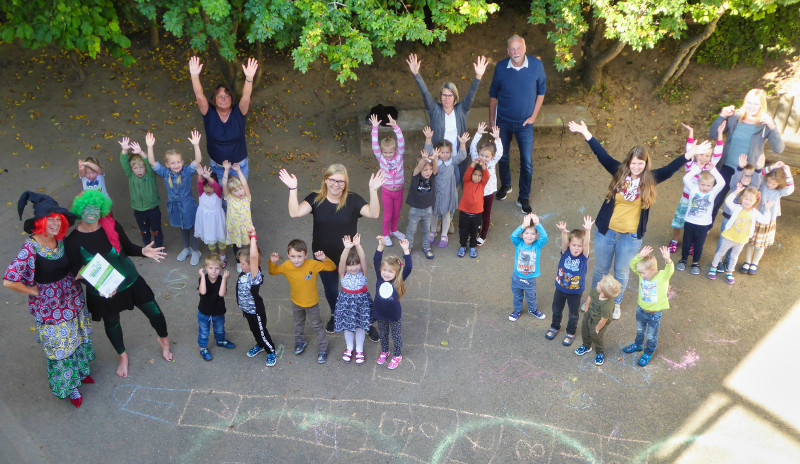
(589, 335)
(468, 225)
(727, 172)
(114, 329)
(330, 286)
(147, 221)
(258, 325)
(693, 235)
(574, 302)
(486, 218)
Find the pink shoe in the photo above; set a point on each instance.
(360, 359)
(395, 362)
(348, 354)
(382, 357)
(673, 246)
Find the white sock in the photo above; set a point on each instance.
(348, 338)
(360, 340)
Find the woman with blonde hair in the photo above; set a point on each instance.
(622, 220)
(335, 210)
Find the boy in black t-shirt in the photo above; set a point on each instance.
(421, 196)
(211, 309)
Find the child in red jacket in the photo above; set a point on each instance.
(470, 209)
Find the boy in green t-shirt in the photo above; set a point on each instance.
(144, 193)
(653, 286)
(600, 306)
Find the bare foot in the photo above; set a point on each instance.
(122, 368)
(165, 352)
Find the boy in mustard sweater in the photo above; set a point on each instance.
(302, 276)
(653, 286)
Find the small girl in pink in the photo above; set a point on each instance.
(390, 157)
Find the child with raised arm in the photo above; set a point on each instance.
(528, 240)
(181, 207)
(389, 288)
(389, 153)
(420, 199)
(212, 287)
(446, 191)
(738, 228)
(301, 273)
(571, 277)
(91, 175)
(250, 302)
(598, 311)
(209, 222)
(354, 304)
(706, 159)
(490, 153)
(698, 216)
(144, 193)
(653, 287)
(777, 183)
(470, 209)
(238, 218)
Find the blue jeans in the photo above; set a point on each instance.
(619, 248)
(647, 323)
(204, 322)
(150, 220)
(219, 170)
(524, 287)
(524, 136)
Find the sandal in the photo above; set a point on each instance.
(382, 357)
(753, 269)
(347, 355)
(568, 340)
(360, 358)
(443, 241)
(427, 252)
(551, 334)
(729, 278)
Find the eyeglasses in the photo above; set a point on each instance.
(447, 95)
(332, 182)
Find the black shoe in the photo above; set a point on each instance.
(503, 192)
(525, 205)
(330, 326)
(373, 334)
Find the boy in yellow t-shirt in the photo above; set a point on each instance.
(302, 276)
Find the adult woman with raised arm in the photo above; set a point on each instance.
(225, 121)
(335, 211)
(622, 220)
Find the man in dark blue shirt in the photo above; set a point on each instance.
(515, 97)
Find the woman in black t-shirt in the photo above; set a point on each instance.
(336, 211)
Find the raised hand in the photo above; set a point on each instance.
(413, 63)
(464, 138)
(377, 180)
(373, 119)
(727, 111)
(251, 230)
(766, 120)
(646, 250)
(347, 242)
(237, 168)
(149, 139)
(404, 245)
(427, 132)
(703, 147)
(226, 165)
(205, 171)
(739, 187)
(226, 274)
(742, 160)
(690, 129)
(534, 219)
(496, 132)
(665, 253)
(135, 148)
(195, 66)
(274, 257)
(480, 66)
(587, 223)
(562, 226)
(424, 154)
(392, 122)
(320, 255)
(202, 272)
(125, 144)
(356, 239)
(481, 128)
(194, 138)
(251, 68)
(721, 129)
(436, 153)
(580, 128)
(526, 221)
(289, 179)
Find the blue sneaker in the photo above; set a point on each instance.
(322, 357)
(254, 351)
(461, 252)
(582, 350)
(226, 344)
(271, 359)
(633, 347)
(299, 347)
(206, 354)
(537, 314)
(598, 360)
(473, 253)
(644, 360)
(513, 316)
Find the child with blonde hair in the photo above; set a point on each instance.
(209, 223)
(653, 287)
(145, 200)
(181, 207)
(212, 287)
(392, 272)
(389, 153)
(446, 191)
(702, 195)
(490, 154)
(237, 195)
(248, 285)
(354, 304)
(599, 309)
(92, 175)
(528, 240)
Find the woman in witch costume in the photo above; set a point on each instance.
(55, 299)
(97, 232)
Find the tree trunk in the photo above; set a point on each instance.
(260, 57)
(594, 60)
(687, 49)
(154, 33)
(76, 65)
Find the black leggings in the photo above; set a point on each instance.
(114, 329)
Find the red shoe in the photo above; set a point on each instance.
(87, 379)
(76, 401)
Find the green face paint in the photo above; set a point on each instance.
(90, 214)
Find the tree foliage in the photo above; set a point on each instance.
(80, 25)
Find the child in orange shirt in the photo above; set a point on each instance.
(470, 209)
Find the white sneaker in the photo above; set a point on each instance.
(480, 241)
(184, 254)
(387, 240)
(399, 235)
(195, 258)
(617, 312)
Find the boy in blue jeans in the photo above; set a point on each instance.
(529, 238)
(653, 286)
